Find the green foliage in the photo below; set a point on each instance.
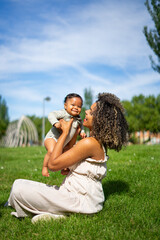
(4, 118)
(88, 101)
(143, 113)
(88, 98)
(131, 188)
(38, 123)
(133, 139)
(153, 35)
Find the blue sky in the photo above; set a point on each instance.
(54, 47)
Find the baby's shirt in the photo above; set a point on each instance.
(55, 116)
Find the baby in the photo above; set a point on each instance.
(72, 108)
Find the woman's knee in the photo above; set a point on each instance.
(17, 187)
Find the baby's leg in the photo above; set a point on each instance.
(49, 144)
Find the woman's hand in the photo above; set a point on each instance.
(57, 125)
(65, 126)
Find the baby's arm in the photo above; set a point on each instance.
(54, 117)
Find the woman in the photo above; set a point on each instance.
(81, 191)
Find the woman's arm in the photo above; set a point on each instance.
(73, 140)
(65, 171)
(85, 148)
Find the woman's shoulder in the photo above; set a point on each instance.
(89, 142)
(91, 148)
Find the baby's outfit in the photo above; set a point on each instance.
(54, 117)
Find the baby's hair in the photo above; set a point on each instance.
(72, 95)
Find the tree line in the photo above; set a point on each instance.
(142, 114)
(4, 117)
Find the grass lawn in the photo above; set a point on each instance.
(131, 210)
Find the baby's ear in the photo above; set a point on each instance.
(64, 105)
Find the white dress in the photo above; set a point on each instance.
(80, 192)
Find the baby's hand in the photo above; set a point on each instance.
(83, 135)
(45, 172)
(57, 125)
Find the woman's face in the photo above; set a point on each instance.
(88, 121)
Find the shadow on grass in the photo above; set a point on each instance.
(115, 187)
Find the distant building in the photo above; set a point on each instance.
(147, 136)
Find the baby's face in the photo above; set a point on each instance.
(73, 106)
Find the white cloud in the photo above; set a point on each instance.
(20, 91)
(143, 83)
(108, 35)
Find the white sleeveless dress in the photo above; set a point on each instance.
(80, 192)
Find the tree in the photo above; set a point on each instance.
(152, 113)
(153, 35)
(38, 123)
(4, 118)
(88, 98)
(143, 113)
(131, 116)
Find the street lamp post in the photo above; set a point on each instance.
(43, 119)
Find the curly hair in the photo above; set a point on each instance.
(110, 127)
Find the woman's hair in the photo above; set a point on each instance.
(110, 127)
(72, 95)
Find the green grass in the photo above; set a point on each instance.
(131, 210)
